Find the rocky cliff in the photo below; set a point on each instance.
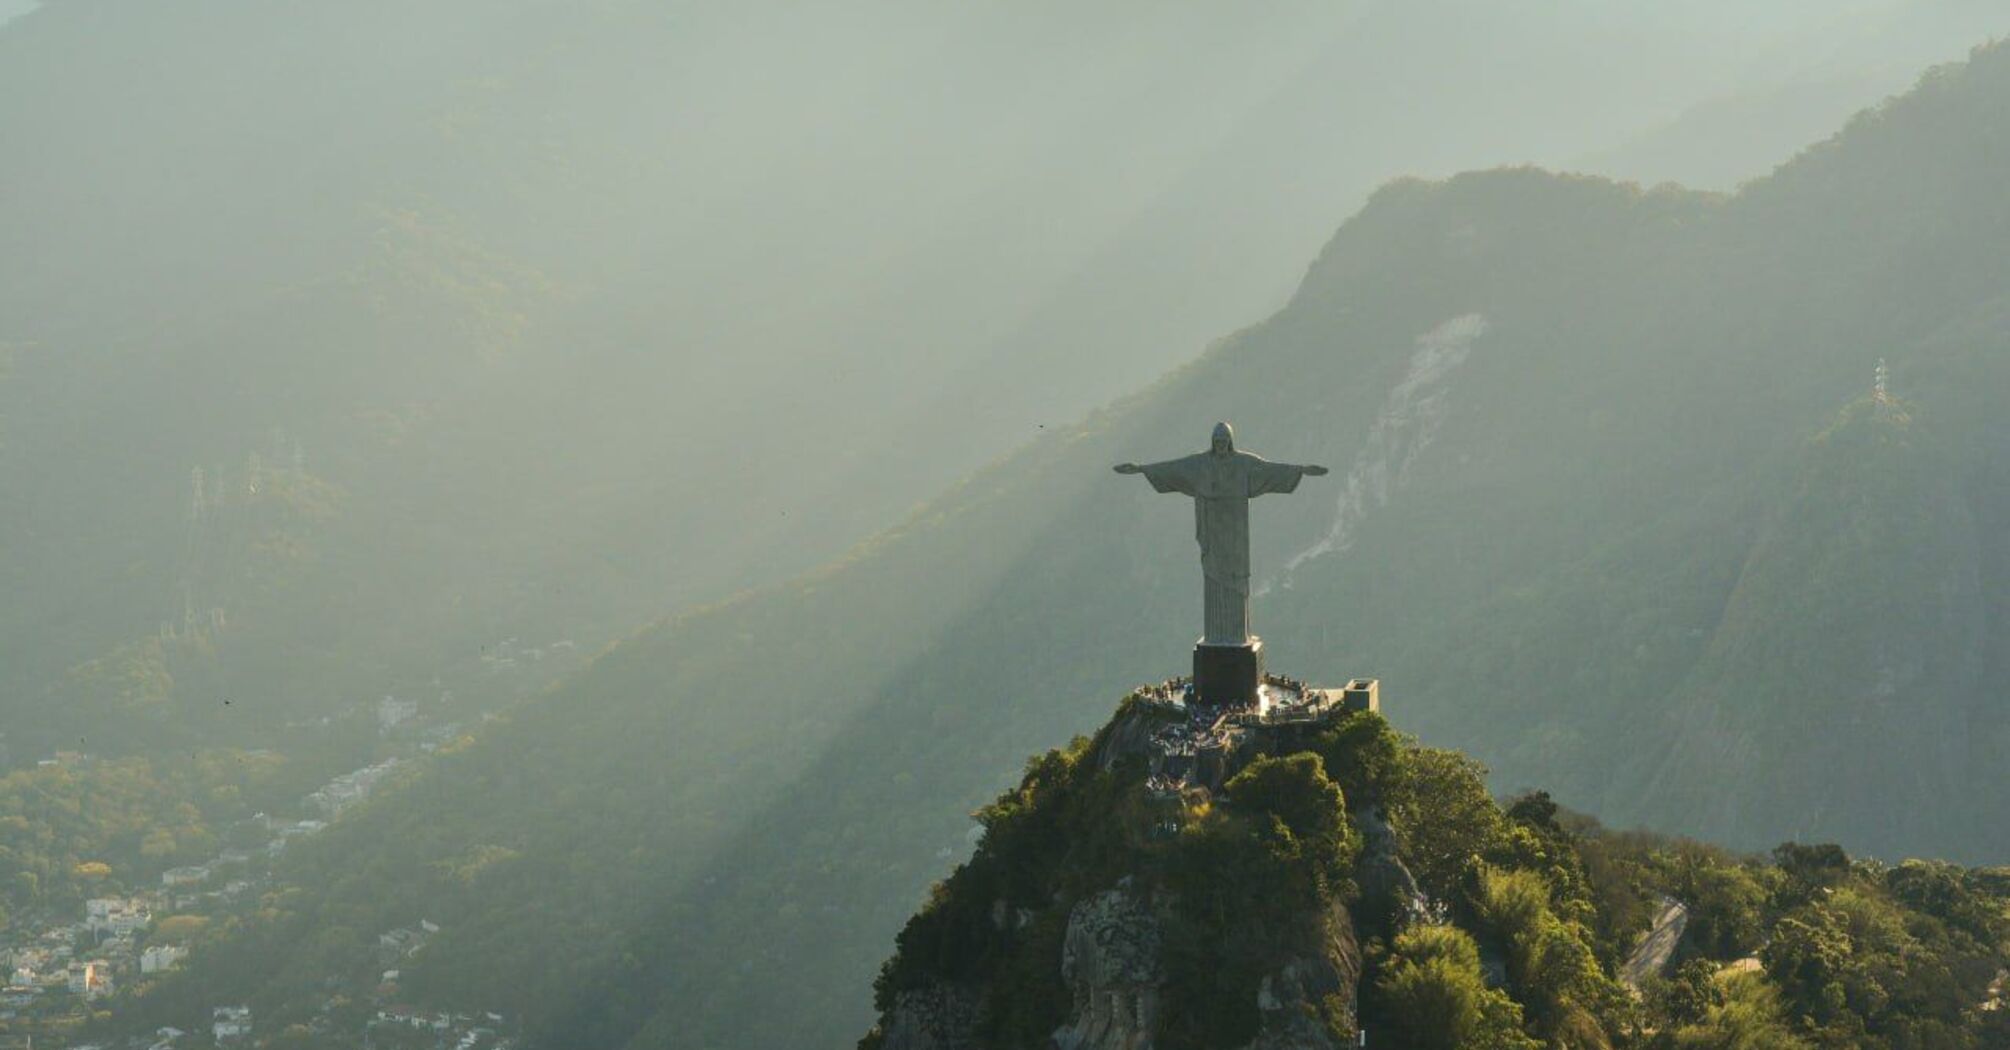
(1301, 877)
(1186, 878)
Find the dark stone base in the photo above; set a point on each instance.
(1227, 674)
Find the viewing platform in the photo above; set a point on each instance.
(1188, 744)
(1279, 700)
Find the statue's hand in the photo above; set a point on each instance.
(1129, 468)
(1317, 471)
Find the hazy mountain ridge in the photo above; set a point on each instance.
(1554, 564)
(410, 284)
(707, 236)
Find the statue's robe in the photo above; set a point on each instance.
(1222, 486)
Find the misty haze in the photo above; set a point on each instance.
(533, 526)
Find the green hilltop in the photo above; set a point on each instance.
(1333, 880)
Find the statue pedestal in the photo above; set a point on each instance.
(1228, 674)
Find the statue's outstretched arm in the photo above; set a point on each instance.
(1173, 475)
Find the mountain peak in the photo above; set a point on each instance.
(1180, 879)
(1315, 881)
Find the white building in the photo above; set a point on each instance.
(393, 712)
(161, 957)
(118, 916)
(230, 1023)
(402, 941)
(348, 789)
(128, 923)
(187, 876)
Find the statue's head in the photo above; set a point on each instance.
(1224, 439)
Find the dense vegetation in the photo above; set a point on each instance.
(1530, 913)
(1251, 877)
(79, 827)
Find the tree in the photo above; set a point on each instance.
(1810, 869)
(1445, 818)
(1434, 994)
(1311, 809)
(1549, 960)
(1686, 996)
(1726, 901)
(1365, 757)
(1535, 809)
(1745, 1014)
(178, 929)
(1810, 958)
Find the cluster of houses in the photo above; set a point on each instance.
(350, 788)
(55, 966)
(83, 959)
(229, 1026)
(76, 962)
(393, 712)
(508, 654)
(403, 941)
(116, 916)
(448, 1031)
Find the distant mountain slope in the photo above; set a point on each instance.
(1855, 639)
(1591, 503)
(594, 313)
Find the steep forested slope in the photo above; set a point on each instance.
(1603, 494)
(1855, 638)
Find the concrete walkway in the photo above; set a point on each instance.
(1657, 946)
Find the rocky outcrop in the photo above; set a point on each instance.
(1130, 734)
(1110, 959)
(1109, 948)
(938, 1017)
(1296, 1000)
(1389, 892)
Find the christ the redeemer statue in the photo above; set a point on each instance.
(1222, 481)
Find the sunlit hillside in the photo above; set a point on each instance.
(1591, 447)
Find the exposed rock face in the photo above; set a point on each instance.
(938, 1017)
(1388, 889)
(1110, 959)
(1130, 734)
(1293, 999)
(1112, 947)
